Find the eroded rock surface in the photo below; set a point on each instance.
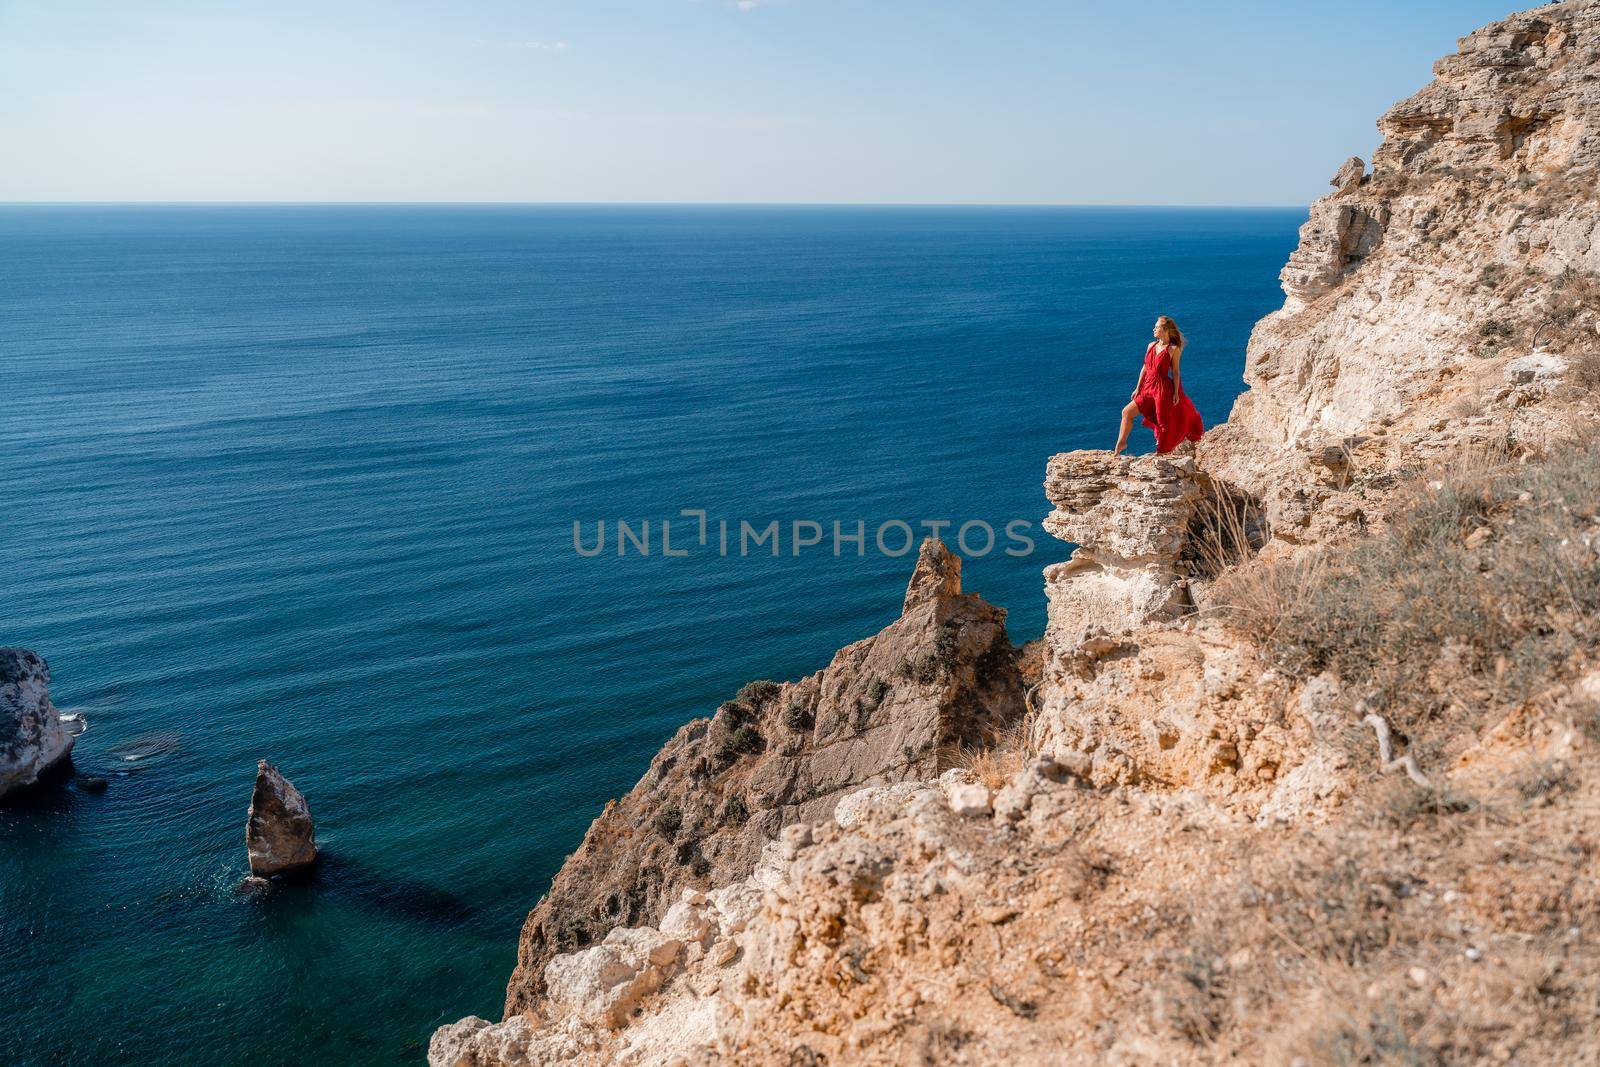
(895, 707)
(1474, 238)
(33, 739)
(1129, 517)
(278, 834)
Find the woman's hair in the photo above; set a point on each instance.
(1169, 330)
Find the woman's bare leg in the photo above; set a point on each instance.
(1128, 412)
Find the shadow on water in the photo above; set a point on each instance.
(341, 880)
(336, 878)
(143, 752)
(50, 795)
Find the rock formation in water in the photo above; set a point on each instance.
(33, 739)
(278, 834)
(894, 707)
(1212, 842)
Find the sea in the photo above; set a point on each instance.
(456, 513)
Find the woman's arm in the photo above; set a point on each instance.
(1177, 378)
(1138, 384)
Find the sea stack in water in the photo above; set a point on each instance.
(33, 739)
(278, 834)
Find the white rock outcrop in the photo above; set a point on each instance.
(1129, 517)
(605, 983)
(1474, 231)
(33, 738)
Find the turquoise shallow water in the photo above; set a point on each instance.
(299, 483)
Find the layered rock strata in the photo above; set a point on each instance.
(1473, 240)
(1129, 518)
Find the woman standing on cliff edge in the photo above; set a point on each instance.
(1158, 395)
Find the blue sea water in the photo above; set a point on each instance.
(300, 483)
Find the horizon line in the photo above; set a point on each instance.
(644, 203)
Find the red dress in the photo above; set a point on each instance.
(1165, 410)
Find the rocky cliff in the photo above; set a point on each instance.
(897, 706)
(1471, 241)
(1303, 773)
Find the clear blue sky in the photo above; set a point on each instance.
(959, 101)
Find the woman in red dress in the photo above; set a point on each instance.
(1158, 396)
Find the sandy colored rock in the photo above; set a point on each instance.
(1349, 174)
(1129, 517)
(1475, 227)
(892, 708)
(605, 983)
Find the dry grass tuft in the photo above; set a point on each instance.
(1572, 310)
(1477, 594)
(1584, 367)
(1564, 316)
(998, 759)
(1227, 530)
(1406, 931)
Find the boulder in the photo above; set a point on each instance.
(605, 983)
(33, 739)
(970, 799)
(1350, 173)
(278, 833)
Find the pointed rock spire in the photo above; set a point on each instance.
(278, 833)
(938, 575)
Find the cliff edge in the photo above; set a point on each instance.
(897, 706)
(1301, 771)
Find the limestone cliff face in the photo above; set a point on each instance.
(894, 707)
(1440, 305)
(1147, 879)
(1129, 517)
(1474, 236)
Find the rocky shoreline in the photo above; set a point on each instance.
(1169, 833)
